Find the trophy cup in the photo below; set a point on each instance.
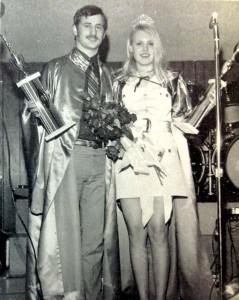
(49, 116)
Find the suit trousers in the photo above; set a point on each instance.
(88, 167)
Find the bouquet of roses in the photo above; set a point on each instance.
(109, 121)
(112, 124)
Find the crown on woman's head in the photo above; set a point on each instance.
(143, 20)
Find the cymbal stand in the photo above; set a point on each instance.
(218, 169)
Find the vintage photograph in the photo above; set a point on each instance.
(119, 158)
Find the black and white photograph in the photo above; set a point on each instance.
(119, 156)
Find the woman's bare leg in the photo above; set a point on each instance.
(137, 241)
(158, 235)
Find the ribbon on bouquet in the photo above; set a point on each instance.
(141, 154)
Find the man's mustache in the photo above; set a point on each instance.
(92, 36)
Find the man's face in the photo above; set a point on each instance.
(89, 34)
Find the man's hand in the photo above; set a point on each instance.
(211, 90)
(32, 108)
(226, 67)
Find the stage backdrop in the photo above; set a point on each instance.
(42, 30)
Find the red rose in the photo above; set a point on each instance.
(94, 104)
(94, 122)
(133, 117)
(86, 116)
(108, 119)
(112, 153)
(102, 133)
(86, 105)
(85, 96)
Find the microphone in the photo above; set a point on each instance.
(213, 20)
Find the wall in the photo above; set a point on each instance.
(42, 29)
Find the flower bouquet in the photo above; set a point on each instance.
(109, 121)
(113, 125)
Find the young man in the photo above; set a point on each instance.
(67, 177)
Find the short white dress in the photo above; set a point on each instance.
(152, 104)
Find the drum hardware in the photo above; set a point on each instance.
(232, 162)
(229, 128)
(232, 214)
(231, 113)
(228, 100)
(209, 174)
(231, 109)
(203, 162)
(231, 105)
(198, 163)
(230, 151)
(202, 167)
(231, 131)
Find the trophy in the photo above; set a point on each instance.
(191, 124)
(49, 116)
(205, 106)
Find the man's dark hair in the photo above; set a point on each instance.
(89, 10)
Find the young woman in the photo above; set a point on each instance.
(159, 98)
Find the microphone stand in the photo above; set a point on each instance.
(218, 169)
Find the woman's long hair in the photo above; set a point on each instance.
(160, 64)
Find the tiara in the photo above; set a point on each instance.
(143, 20)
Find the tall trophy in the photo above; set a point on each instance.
(200, 111)
(49, 116)
(231, 110)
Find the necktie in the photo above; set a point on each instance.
(92, 82)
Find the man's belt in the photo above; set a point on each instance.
(92, 144)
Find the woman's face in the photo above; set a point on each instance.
(143, 49)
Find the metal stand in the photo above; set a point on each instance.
(218, 170)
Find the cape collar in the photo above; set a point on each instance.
(81, 60)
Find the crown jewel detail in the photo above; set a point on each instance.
(143, 20)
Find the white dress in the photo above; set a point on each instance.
(152, 102)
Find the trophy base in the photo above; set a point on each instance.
(186, 128)
(55, 134)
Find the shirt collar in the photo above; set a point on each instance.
(92, 60)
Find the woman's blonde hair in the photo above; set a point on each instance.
(160, 64)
